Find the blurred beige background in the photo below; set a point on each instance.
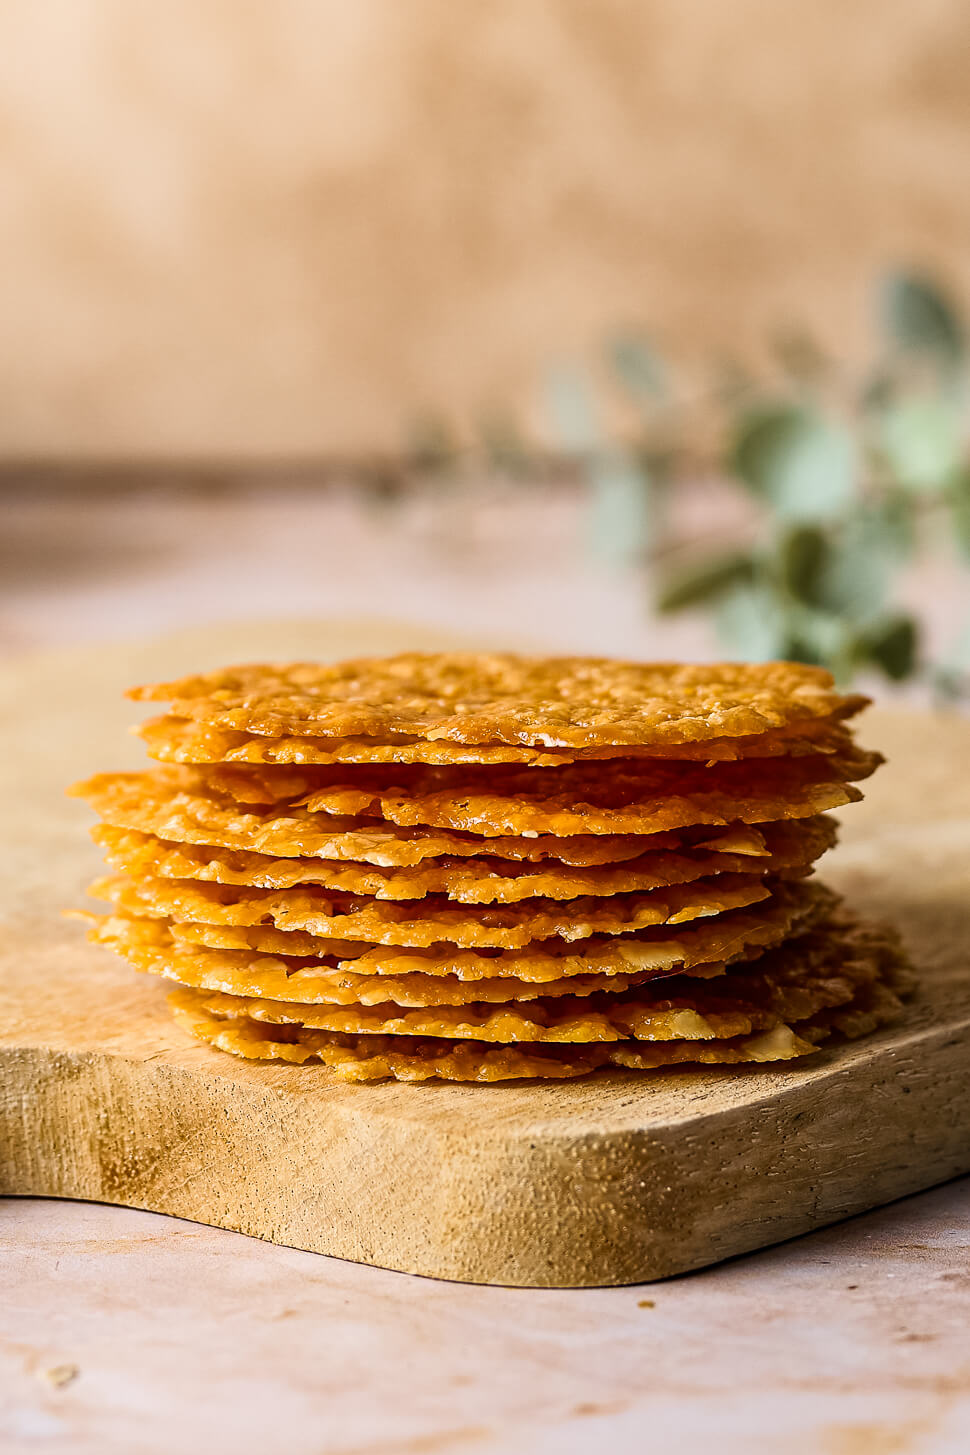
(279, 227)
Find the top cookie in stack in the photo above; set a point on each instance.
(479, 867)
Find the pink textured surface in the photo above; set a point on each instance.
(501, 569)
(851, 1341)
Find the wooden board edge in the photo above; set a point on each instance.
(618, 1208)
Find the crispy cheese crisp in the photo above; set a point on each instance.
(405, 1058)
(480, 867)
(498, 816)
(159, 803)
(367, 1057)
(163, 804)
(819, 971)
(325, 915)
(725, 937)
(607, 785)
(561, 802)
(730, 936)
(296, 944)
(499, 698)
(152, 947)
(790, 847)
(182, 740)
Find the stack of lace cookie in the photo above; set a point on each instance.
(483, 867)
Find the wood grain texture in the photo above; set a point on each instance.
(609, 1180)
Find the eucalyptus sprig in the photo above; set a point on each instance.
(844, 476)
(849, 478)
(844, 480)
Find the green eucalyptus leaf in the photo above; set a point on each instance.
(750, 622)
(802, 555)
(796, 458)
(637, 366)
(891, 518)
(619, 516)
(820, 638)
(959, 497)
(892, 646)
(918, 318)
(798, 648)
(705, 581)
(922, 442)
(856, 576)
(572, 410)
(950, 686)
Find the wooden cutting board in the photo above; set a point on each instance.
(608, 1180)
